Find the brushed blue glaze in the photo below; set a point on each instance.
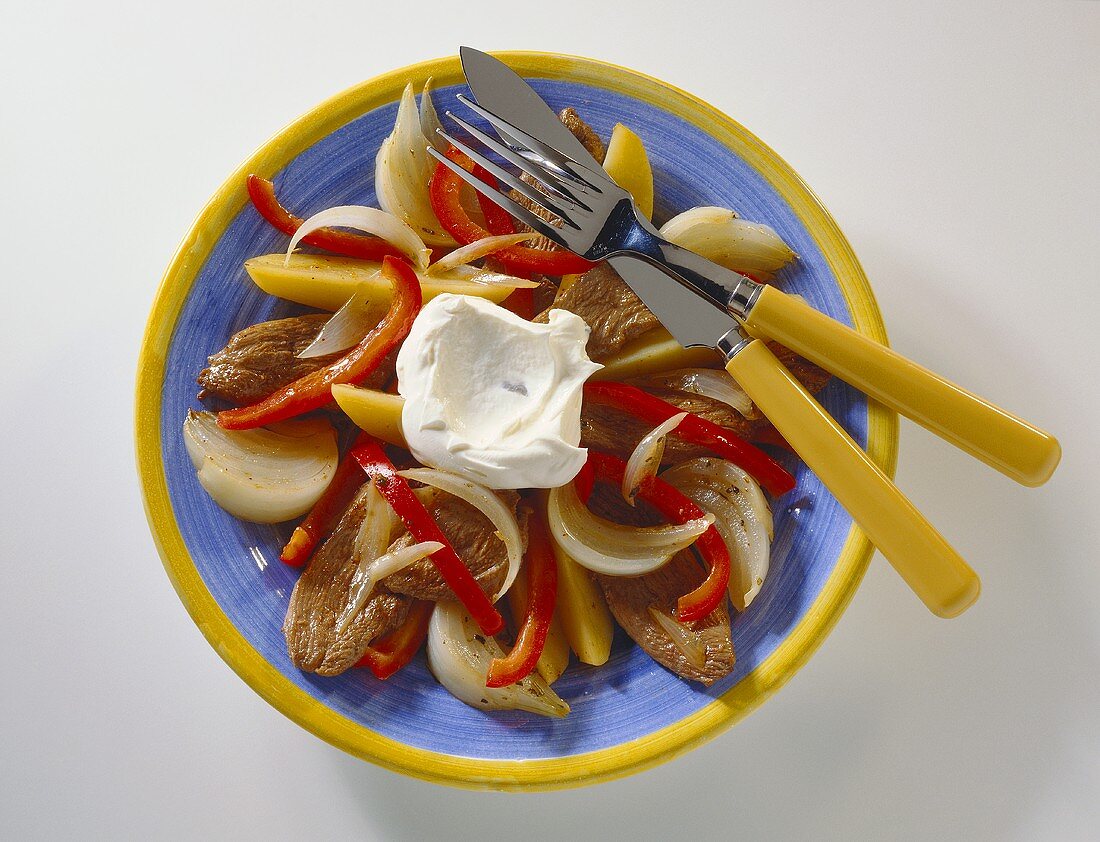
(630, 696)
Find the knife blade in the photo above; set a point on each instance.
(693, 321)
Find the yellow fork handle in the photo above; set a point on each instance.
(927, 563)
(987, 432)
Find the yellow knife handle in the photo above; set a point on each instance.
(1009, 444)
(927, 563)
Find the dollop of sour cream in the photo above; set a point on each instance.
(492, 396)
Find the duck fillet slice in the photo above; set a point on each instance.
(320, 597)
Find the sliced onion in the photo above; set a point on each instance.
(371, 221)
(403, 168)
(475, 275)
(710, 383)
(369, 573)
(683, 638)
(266, 475)
(742, 517)
(346, 327)
(486, 502)
(612, 548)
(646, 458)
(429, 120)
(459, 656)
(377, 528)
(719, 235)
(478, 249)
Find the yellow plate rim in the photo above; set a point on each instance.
(280, 692)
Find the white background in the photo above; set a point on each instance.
(956, 144)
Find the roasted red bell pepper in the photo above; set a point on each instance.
(542, 594)
(674, 506)
(315, 390)
(445, 192)
(322, 518)
(393, 651)
(262, 193)
(653, 410)
(422, 527)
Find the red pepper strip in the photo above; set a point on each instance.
(395, 489)
(445, 192)
(769, 435)
(542, 595)
(325, 512)
(694, 429)
(677, 508)
(262, 193)
(521, 301)
(397, 648)
(315, 390)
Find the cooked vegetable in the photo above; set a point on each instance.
(394, 650)
(346, 327)
(370, 573)
(315, 390)
(403, 168)
(555, 652)
(486, 502)
(446, 196)
(585, 618)
(459, 657)
(400, 496)
(615, 549)
(652, 352)
(476, 250)
(646, 458)
(676, 508)
(711, 383)
(384, 225)
(719, 235)
(374, 412)
(263, 476)
(693, 429)
(318, 280)
(534, 625)
(742, 518)
(683, 638)
(628, 165)
(325, 513)
(262, 193)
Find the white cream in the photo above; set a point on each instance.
(492, 396)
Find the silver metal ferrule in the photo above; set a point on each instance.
(743, 297)
(730, 345)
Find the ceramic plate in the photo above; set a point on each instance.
(628, 714)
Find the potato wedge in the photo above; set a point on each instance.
(377, 413)
(655, 351)
(555, 652)
(584, 614)
(628, 165)
(326, 282)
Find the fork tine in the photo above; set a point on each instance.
(522, 187)
(505, 202)
(557, 162)
(547, 178)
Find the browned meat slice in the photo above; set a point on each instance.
(609, 307)
(630, 599)
(591, 141)
(320, 597)
(474, 539)
(264, 357)
(609, 430)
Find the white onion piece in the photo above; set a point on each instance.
(403, 168)
(489, 504)
(429, 120)
(346, 327)
(710, 383)
(719, 235)
(478, 249)
(742, 517)
(377, 528)
(459, 656)
(371, 221)
(369, 573)
(612, 548)
(266, 475)
(481, 276)
(685, 640)
(646, 458)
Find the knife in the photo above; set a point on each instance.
(931, 567)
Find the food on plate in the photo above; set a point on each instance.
(533, 461)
